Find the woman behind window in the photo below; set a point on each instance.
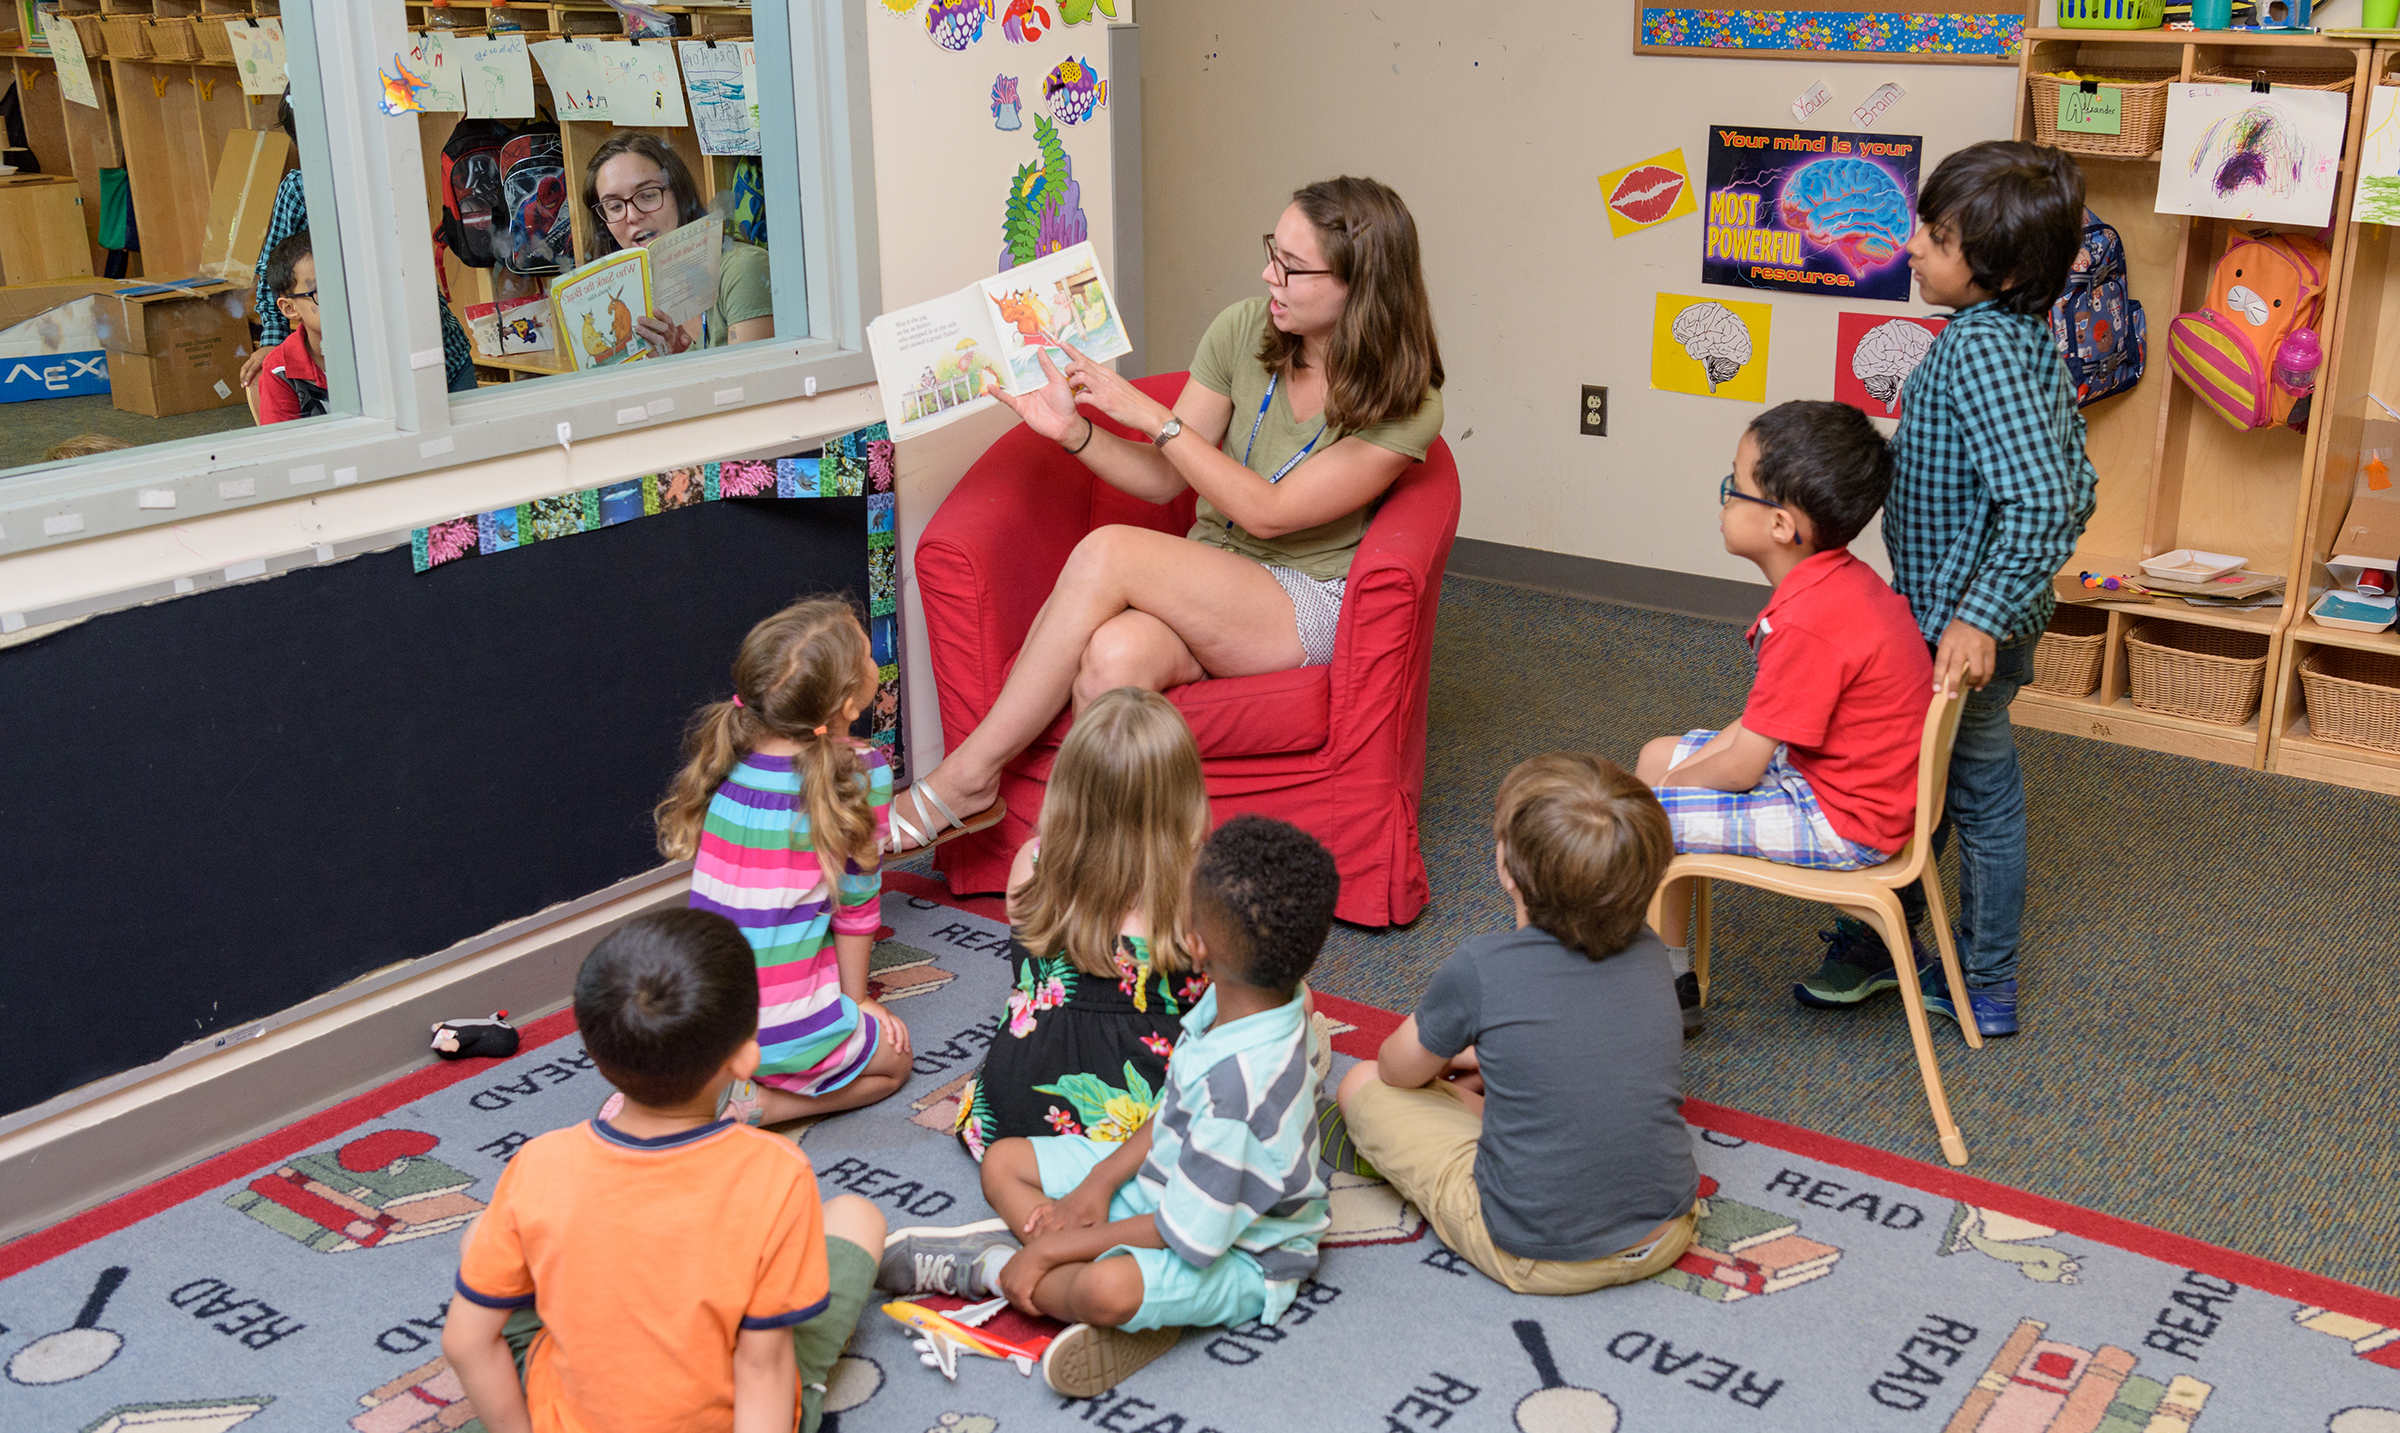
(639, 190)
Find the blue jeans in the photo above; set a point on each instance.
(1986, 807)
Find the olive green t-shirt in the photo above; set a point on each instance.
(743, 292)
(1227, 363)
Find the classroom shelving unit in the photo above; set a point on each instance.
(549, 19)
(2172, 473)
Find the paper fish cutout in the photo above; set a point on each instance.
(403, 93)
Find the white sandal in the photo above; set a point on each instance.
(925, 832)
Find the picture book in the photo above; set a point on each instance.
(941, 360)
(594, 307)
(683, 269)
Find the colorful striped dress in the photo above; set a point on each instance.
(757, 868)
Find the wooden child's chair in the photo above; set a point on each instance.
(1872, 895)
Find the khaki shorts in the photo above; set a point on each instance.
(1423, 1141)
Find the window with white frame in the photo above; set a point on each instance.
(434, 289)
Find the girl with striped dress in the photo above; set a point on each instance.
(783, 815)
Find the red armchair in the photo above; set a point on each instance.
(1337, 750)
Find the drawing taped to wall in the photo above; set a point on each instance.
(2378, 198)
(2229, 153)
(1648, 194)
(1715, 348)
(1074, 90)
(1874, 353)
(1810, 211)
(721, 77)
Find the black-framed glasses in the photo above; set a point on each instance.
(1726, 492)
(645, 200)
(1284, 272)
(311, 296)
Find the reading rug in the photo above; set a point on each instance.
(299, 1284)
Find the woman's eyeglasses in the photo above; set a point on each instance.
(1726, 492)
(645, 200)
(1284, 272)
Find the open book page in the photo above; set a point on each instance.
(935, 362)
(1056, 299)
(683, 269)
(596, 306)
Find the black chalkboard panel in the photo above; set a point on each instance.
(220, 806)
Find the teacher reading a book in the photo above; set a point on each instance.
(640, 190)
(1305, 404)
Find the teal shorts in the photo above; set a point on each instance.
(1174, 1294)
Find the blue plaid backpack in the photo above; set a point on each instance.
(2099, 328)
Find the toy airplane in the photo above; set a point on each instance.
(941, 1336)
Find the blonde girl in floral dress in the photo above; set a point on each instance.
(1097, 903)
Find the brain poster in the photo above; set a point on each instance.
(1873, 355)
(1810, 211)
(1715, 348)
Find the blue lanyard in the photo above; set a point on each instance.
(1285, 470)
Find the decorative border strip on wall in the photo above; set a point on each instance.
(1834, 34)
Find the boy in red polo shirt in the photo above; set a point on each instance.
(292, 382)
(1821, 769)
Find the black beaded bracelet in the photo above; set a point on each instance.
(1088, 429)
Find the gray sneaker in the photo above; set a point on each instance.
(1088, 1360)
(930, 1260)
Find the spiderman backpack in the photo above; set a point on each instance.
(471, 191)
(2099, 329)
(533, 183)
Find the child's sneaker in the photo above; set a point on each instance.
(928, 1260)
(1088, 1360)
(1687, 995)
(1995, 1006)
(1857, 966)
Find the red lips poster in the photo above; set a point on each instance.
(1642, 196)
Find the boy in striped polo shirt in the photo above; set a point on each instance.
(1215, 1201)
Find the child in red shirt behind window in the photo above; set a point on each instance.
(1821, 769)
(292, 384)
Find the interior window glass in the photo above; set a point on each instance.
(162, 277)
(595, 174)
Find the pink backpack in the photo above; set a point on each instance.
(2262, 289)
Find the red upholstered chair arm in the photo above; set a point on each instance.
(1383, 647)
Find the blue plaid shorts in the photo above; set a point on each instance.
(1777, 820)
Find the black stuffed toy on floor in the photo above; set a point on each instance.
(488, 1039)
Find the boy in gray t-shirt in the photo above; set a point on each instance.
(1530, 1107)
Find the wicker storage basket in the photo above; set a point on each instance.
(2212, 673)
(2067, 658)
(2353, 697)
(216, 47)
(2112, 14)
(94, 39)
(2144, 123)
(175, 40)
(2282, 78)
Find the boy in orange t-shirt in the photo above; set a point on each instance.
(667, 1268)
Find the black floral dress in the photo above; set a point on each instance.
(1078, 1054)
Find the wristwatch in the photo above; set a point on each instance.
(1173, 427)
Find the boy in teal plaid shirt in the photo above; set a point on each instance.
(1210, 1213)
(1991, 491)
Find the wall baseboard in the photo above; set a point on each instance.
(101, 1148)
(1716, 598)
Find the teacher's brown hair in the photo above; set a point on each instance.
(1383, 356)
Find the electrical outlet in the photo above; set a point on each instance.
(1593, 419)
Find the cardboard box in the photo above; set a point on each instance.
(19, 302)
(174, 348)
(41, 229)
(243, 201)
(2372, 526)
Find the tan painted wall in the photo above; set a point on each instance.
(1494, 121)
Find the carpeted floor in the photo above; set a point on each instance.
(32, 428)
(2212, 1006)
(299, 1283)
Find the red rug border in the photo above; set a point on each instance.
(1372, 1024)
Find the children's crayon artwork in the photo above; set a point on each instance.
(644, 91)
(1713, 347)
(258, 54)
(954, 24)
(498, 75)
(594, 308)
(1005, 107)
(571, 68)
(74, 69)
(435, 65)
(1810, 211)
(1873, 354)
(2378, 197)
(1646, 195)
(1056, 301)
(1074, 90)
(721, 76)
(2230, 153)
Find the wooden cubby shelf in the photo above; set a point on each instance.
(2172, 473)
